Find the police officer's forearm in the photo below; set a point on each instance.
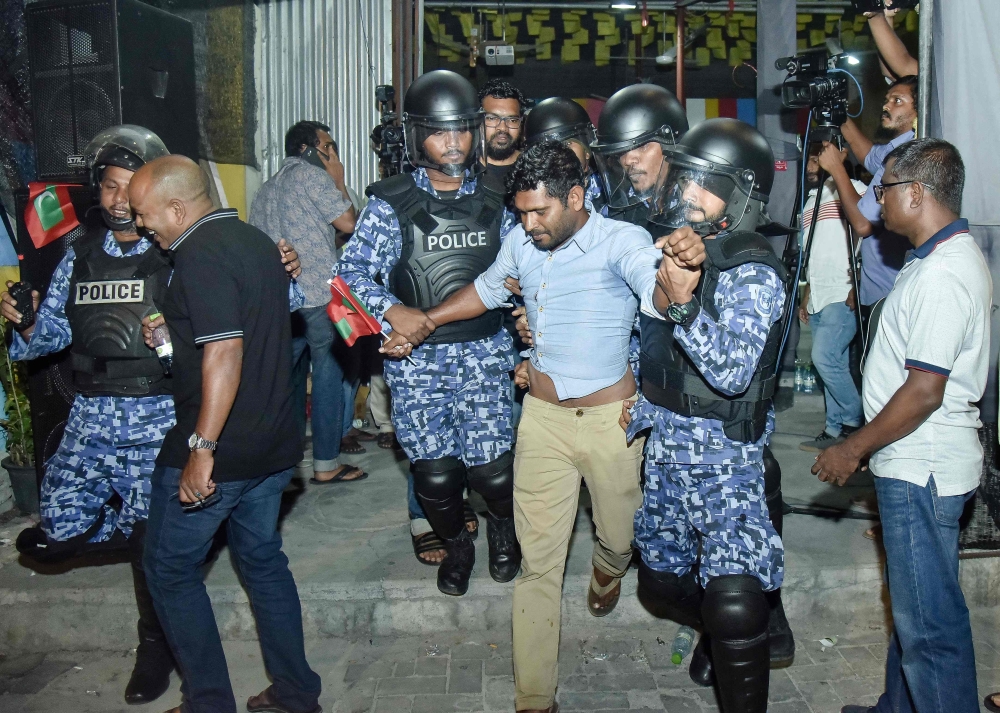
(849, 200)
(859, 143)
(464, 304)
(221, 369)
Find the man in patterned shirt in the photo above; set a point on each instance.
(421, 237)
(124, 405)
(708, 372)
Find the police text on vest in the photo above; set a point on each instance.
(109, 292)
(456, 240)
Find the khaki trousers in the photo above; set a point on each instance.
(556, 446)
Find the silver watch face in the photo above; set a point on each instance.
(193, 441)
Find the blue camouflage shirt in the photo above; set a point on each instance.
(124, 420)
(749, 298)
(372, 253)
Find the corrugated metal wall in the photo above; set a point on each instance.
(314, 64)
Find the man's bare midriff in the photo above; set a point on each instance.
(541, 387)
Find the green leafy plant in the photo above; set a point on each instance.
(14, 377)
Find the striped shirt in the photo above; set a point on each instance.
(829, 265)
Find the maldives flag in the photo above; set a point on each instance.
(349, 316)
(49, 214)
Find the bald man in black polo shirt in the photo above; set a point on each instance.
(235, 444)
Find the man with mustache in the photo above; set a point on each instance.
(422, 236)
(503, 105)
(882, 251)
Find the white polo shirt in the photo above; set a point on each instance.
(935, 319)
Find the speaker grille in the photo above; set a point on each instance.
(74, 80)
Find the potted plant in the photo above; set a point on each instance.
(20, 460)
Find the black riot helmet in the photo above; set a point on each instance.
(126, 146)
(720, 179)
(444, 103)
(558, 119)
(633, 117)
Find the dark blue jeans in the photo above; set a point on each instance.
(313, 330)
(176, 546)
(931, 667)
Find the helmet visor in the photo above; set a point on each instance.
(703, 196)
(632, 174)
(450, 146)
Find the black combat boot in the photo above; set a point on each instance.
(456, 569)
(700, 668)
(505, 553)
(153, 660)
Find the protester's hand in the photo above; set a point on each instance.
(684, 246)
(837, 463)
(290, 259)
(521, 379)
(522, 325)
(831, 158)
(512, 284)
(333, 167)
(677, 283)
(409, 322)
(8, 308)
(196, 479)
(148, 325)
(396, 346)
(803, 314)
(852, 300)
(626, 417)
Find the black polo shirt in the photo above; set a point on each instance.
(229, 283)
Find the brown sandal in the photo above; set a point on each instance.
(602, 599)
(387, 440)
(424, 543)
(350, 444)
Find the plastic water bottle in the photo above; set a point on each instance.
(161, 342)
(799, 375)
(682, 644)
(809, 381)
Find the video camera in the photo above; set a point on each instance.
(815, 83)
(387, 137)
(879, 5)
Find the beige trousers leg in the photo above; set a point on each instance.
(556, 446)
(380, 402)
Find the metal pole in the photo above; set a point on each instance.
(679, 63)
(926, 68)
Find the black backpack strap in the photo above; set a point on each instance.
(403, 196)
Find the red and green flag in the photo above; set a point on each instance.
(348, 315)
(49, 214)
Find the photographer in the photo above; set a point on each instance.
(882, 251)
(892, 52)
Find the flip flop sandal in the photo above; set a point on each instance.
(424, 543)
(471, 518)
(358, 434)
(990, 703)
(596, 594)
(349, 444)
(873, 533)
(341, 477)
(387, 441)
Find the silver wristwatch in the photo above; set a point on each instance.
(196, 442)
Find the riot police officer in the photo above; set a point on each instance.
(564, 120)
(124, 406)
(422, 236)
(708, 373)
(637, 124)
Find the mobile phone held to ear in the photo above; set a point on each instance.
(21, 294)
(312, 155)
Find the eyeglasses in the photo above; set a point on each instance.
(880, 188)
(512, 122)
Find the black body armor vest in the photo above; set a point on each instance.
(671, 380)
(637, 214)
(446, 245)
(108, 298)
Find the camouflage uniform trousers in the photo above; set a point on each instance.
(452, 402)
(724, 507)
(105, 449)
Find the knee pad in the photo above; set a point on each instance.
(439, 478)
(735, 608)
(772, 490)
(676, 597)
(494, 480)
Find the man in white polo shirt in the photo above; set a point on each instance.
(924, 374)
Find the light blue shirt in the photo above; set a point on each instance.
(580, 298)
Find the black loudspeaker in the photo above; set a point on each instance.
(50, 378)
(97, 63)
